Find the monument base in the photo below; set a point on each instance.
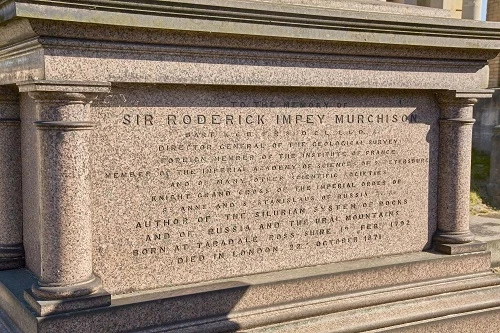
(411, 292)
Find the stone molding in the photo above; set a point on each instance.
(66, 230)
(11, 219)
(272, 19)
(65, 125)
(80, 89)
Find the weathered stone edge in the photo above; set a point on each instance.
(279, 20)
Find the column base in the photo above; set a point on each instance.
(52, 299)
(53, 291)
(11, 256)
(453, 237)
(45, 307)
(474, 246)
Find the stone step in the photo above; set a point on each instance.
(487, 229)
(434, 313)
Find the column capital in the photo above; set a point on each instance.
(463, 97)
(64, 92)
(64, 86)
(456, 105)
(63, 105)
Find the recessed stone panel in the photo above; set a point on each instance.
(196, 183)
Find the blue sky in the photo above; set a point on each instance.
(483, 10)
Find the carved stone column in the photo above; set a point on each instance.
(64, 131)
(11, 218)
(455, 144)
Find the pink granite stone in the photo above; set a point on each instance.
(65, 230)
(30, 176)
(246, 165)
(208, 182)
(455, 140)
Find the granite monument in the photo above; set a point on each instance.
(256, 166)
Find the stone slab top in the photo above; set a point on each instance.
(479, 93)
(486, 229)
(66, 86)
(368, 5)
(342, 21)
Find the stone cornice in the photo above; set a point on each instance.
(64, 86)
(460, 96)
(480, 93)
(265, 19)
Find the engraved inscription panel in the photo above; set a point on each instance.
(194, 184)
